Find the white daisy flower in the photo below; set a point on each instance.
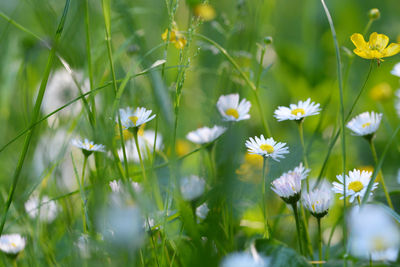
(243, 259)
(205, 135)
(397, 102)
(146, 146)
(117, 186)
(373, 233)
(12, 243)
(202, 211)
(231, 109)
(365, 124)
(88, 146)
(61, 89)
(318, 201)
(297, 112)
(192, 187)
(46, 209)
(356, 184)
(266, 147)
(288, 186)
(396, 70)
(134, 118)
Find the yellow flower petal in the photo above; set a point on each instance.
(363, 53)
(391, 50)
(180, 43)
(358, 41)
(380, 42)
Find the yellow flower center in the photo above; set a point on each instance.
(91, 146)
(366, 124)
(232, 112)
(313, 207)
(13, 244)
(133, 119)
(356, 186)
(379, 243)
(297, 111)
(267, 148)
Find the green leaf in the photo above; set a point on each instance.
(281, 255)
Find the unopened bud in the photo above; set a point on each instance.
(374, 14)
(268, 40)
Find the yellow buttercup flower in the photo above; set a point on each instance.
(174, 37)
(375, 48)
(205, 12)
(381, 92)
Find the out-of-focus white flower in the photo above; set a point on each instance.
(60, 90)
(288, 186)
(243, 259)
(373, 234)
(202, 211)
(12, 243)
(365, 124)
(134, 118)
(122, 225)
(396, 70)
(117, 186)
(146, 146)
(46, 209)
(356, 184)
(297, 112)
(192, 187)
(397, 102)
(231, 109)
(88, 146)
(205, 135)
(266, 147)
(318, 201)
(83, 246)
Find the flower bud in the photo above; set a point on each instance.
(268, 40)
(374, 14)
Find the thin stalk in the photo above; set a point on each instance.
(135, 135)
(319, 240)
(264, 199)
(342, 118)
(374, 155)
(359, 201)
(296, 217)
(211, 161)
(301, 134)
(85, 227)
(35, 115)
(89, 56)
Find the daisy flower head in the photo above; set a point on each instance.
(318, 201)
(244, 259)
(231, 109)
(365, 124)
(297, 112)
(356, 184)
(202, 211)
(396, 70)
(288, 186)
(205, 135)
(134, 118)
(12, 243)
(266, 147)
(192, 187)
(378, 239)
(44, 208)
(88, 147)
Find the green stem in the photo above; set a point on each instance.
(296, 217)
(135, 135)
(35, 115)
(359, 201)
(301, 134)
(89, 56)
(319, 241)
(366, 29)
(264, 199)
(85, 227)
(375, 156)
(342, 118)
(212, 164)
